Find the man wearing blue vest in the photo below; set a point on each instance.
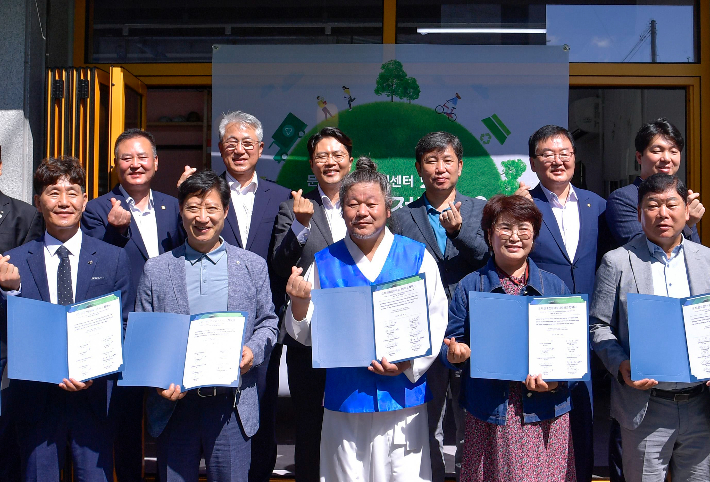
(375, 420)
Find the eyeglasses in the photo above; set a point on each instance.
(322, 158)
(505, 231)
(548, 157)
(247, 145)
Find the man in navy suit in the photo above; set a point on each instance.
(64, 266)
(253, 208)
(573, 226)
(145, 223)
(449, 225)
(659, 145)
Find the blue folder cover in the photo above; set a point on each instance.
(155, 347)
(499, 336)
(657, 339)
(37, 339)
(342, 327)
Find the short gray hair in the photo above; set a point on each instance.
(366, 172)
(241, 118)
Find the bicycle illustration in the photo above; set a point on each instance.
(448, 110)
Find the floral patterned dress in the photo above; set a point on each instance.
(517, 451)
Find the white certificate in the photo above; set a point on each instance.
(94, 338)
(558, 333)
(696, 316)
(401, 320)
(213, 350)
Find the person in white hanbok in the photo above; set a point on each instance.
(375, 422)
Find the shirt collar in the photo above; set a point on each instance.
(193, 256)
(658, 253)
(132, 202)
(552, 197)
(326, 200)
(234, 185)
(381, 254)
(73, 244)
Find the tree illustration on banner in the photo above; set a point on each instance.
(391, 79)
(512, 170)
(409, 89)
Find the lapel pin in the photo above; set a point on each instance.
(162, 207)
(589, 205)
(91, 262)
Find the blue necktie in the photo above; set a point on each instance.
(65, 294)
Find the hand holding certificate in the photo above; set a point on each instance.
(514, 336)
(669, 338)
(164, 349)
(51, 343)
(391, 321)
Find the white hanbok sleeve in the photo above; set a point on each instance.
(300, 330)
(438, 317)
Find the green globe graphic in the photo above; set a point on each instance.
(388, 133)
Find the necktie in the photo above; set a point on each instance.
(65, 294)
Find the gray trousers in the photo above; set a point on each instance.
(439, 380)
(672, 434)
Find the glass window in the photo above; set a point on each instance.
(156, 31)
(645, 31)
(604, 123)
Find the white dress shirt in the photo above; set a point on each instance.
(567, 217)
(300, 330)
(146, 222)
(243, 202)
(51, 261)
(334, 216)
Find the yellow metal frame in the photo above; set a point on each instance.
(694, 77)
(120, 79)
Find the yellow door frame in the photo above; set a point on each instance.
(695, 77)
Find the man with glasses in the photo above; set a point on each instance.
(305, 225)
(254, 204)
(572, 220)
(449, 225)
(146, 223)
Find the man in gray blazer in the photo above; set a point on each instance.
(449, 225)
(207, 274)
(306, 224)
(662, 424)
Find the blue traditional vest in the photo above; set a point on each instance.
(357, 390)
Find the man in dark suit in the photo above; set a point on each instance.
(62, 267)
(253, 208)
(19, 223)
(305, 225)
(145, 223)
(658, 150)
(573, 227)
(659, 145)
(449, 224)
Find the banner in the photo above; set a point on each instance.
(386, 97)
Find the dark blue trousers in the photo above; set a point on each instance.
(127, 408)
(208, 427)
(581, 424)
(68, 419)
(9, 450)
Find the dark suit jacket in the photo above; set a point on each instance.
(102, 269)
(465, 253)
(267, 199)
(622, 215)
(549, 251)
(19, 223)
(171, 234)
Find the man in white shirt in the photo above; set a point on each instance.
(253, 208)
(664, 425)
(146, 223)
(63, 267)
(375, 420)
(305, 225)
(573, 228)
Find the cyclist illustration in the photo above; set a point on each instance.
(448, 107)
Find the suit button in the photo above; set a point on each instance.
(529, 394)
